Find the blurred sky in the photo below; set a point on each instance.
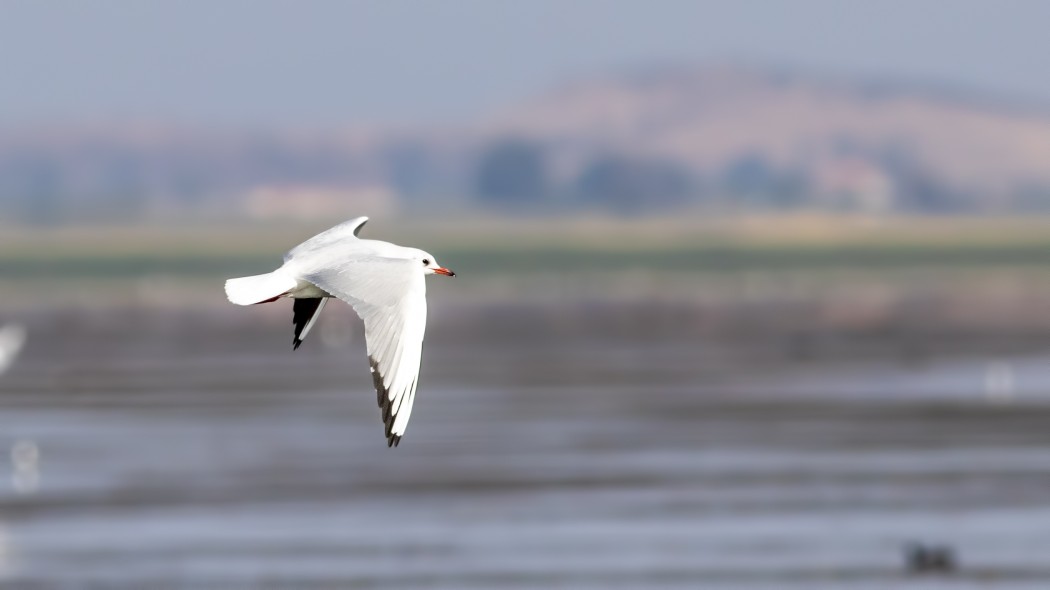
(293, 63)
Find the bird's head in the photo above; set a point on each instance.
(430, 264)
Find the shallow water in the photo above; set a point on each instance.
(202, 454)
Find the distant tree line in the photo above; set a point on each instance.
(111, 180)
(515, 174)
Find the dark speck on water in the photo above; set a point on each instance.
(929, 559)
(197, 451)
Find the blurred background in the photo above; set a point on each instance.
(749, 295)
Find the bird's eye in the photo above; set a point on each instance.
(426, 262)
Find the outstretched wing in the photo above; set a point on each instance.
(390, 296)
(347, 229)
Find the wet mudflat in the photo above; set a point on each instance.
(199, 452)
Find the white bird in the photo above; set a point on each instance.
(383, 282)
(12, 338)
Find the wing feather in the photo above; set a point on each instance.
(343, 231)
(304, 315)
(390, 296)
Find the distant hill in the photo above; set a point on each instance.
(709, 118)
(661, 139)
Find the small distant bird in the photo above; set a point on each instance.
(12, 338)
(929, 559)
(383, 282)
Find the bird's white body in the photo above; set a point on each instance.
(383, 282)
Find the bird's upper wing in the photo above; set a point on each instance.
(346, 230)
(390, 296)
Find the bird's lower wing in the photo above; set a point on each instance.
(304, 315)
(390, 296)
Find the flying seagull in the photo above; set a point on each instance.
(12, 338)
(383, 282)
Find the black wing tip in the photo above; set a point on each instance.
(383, 397)
(303, 310)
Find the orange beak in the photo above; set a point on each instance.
(444, 271)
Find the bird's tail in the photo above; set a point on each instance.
(258, 288)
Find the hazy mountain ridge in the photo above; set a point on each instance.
(708, 116)
(656, 139)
